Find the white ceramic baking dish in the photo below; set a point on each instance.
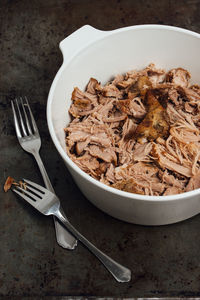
(89, 52)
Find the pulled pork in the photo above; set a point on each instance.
(139, 133)
(10, 181)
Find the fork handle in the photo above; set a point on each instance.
(64, 238)
(120, 273)
(43, 172)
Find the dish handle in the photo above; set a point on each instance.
(78, 40)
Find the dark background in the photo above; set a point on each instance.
(165, 261)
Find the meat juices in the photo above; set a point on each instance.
(139, 133)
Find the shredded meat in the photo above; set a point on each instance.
(139, 133)
(178, 77)
(194, 183)
(10, 181)
(8, 184)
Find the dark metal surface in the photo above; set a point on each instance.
(165, 261)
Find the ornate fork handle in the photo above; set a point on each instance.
(61, 233)
(120, 273)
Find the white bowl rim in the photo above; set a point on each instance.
(66, 158)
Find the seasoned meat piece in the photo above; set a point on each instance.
(8, 183)
(154, 124)
(129, 185)
(87, 163)
(143, 84)
(194, 183)
(172, 181)
(108, 155)
(91, 86)
(84, 103)
(142, 151)
(173, 96)
(110, 176)
(179, 77)
(155, 75)
(112, 91)
(77, 94)
(172, 190)
(126, 83)
(132, 107)
(159, 153)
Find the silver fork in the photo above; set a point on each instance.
(29, 139)
(48, 203)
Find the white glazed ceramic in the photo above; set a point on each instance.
(89, 52)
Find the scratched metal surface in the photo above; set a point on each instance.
(165, 261)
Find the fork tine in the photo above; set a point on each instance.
(27, 120)
(35, 185)
(32, 117)
(36, 198)
(21, 120)
(17, 128)
(24, 197)
(40, 194)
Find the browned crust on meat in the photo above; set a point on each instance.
(8, 184)
(154, 124)
(143, 84)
